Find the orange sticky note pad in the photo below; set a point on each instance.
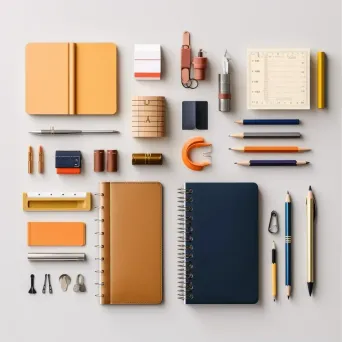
(55, 234)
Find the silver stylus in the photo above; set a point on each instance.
(72, 131)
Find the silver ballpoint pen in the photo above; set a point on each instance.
(52, 131)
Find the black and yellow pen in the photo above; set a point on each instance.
(274, 272)
(310, 214)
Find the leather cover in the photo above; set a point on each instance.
(55, 234)
(71, 78)
(225, 243)
(132, 243)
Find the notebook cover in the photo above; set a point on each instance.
(132, 243)
(96, 84)
(225, 243)
(47, 78)
(71, 78)
(55, 234)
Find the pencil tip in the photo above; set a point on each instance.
(229, 148)
(274, 299)
(307, 162)
(235, 163)
(288, 193)
(288, 297)
(310, 188)
(310, 288)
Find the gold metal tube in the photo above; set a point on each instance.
(321, 86)
(147, 159)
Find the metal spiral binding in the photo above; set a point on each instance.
(100, 234)
(185, 247)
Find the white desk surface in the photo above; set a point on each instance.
(215, 26)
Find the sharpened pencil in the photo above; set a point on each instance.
(272, 163)
(270, 149)
(268, 122)
(288, 244)
(266, 135)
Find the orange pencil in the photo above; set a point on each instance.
(30, 160)
(41, 160)
(270, 149)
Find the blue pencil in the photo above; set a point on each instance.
(269, 122)
(288, 243)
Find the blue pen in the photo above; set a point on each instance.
(269, 122)
(288, 242)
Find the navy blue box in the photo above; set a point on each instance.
(68, 159)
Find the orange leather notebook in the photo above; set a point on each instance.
(55, 234)
(131, 243)
(71, 78)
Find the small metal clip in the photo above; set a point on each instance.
(273, 227)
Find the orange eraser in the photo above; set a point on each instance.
(68, 171)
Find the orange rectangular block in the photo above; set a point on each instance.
(56, 234)
(68, 171)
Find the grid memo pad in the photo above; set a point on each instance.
(278, 79)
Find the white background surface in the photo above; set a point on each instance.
(215, 26)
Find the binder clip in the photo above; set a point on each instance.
(273, 226)
(192, 143)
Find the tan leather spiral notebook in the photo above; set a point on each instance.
(71, 79)
(130, 243)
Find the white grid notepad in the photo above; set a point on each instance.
(278, 79)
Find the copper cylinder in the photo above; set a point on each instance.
(112, 160)
(98, 160)
(200, 64)
(147, 159)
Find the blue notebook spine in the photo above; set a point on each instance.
(185, 246)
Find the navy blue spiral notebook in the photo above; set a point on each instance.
(218, 257)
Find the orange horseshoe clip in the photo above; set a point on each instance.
(192, 143)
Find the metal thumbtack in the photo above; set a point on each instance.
(44, 286)
(32, 289)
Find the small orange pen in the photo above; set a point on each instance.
(30, 160)
(41, 160)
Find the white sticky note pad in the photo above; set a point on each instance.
(147, 61)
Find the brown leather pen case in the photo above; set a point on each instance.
(55, 234)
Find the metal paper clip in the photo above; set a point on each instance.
(273, 226)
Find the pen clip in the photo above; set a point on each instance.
(273, 228)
